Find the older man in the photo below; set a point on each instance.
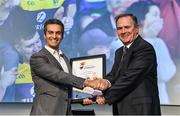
(133, 77)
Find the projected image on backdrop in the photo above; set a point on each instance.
(89, 30)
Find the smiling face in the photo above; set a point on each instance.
(53, 35)
(126, 30)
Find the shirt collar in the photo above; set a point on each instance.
(128, 46)
(52, 51)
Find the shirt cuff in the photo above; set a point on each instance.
(109, 85)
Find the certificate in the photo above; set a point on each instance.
(88, 67)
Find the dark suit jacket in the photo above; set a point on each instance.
(52, 84)
(134, 82)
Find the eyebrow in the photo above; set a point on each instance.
(54, 31)
(126, 26)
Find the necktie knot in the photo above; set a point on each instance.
(125, 49)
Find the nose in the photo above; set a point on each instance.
(123, 30)
(54, 35)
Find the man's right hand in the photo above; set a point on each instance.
(87, 101)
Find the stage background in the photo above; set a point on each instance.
(89, 30)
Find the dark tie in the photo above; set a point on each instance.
(125, 50)
(123, 57)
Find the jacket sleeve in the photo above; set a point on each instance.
(111, 75)
(41, 67)
(140, 66)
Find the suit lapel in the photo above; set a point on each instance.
(67, 63)
(123, 65)
(119, 62)
(52, 59)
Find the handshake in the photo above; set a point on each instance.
(100, 84)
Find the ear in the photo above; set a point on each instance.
(137, 29)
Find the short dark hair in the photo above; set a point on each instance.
(53, 21)
(127, 15)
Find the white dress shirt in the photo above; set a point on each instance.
(58, 55)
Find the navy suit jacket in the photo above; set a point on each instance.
(134, 81)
